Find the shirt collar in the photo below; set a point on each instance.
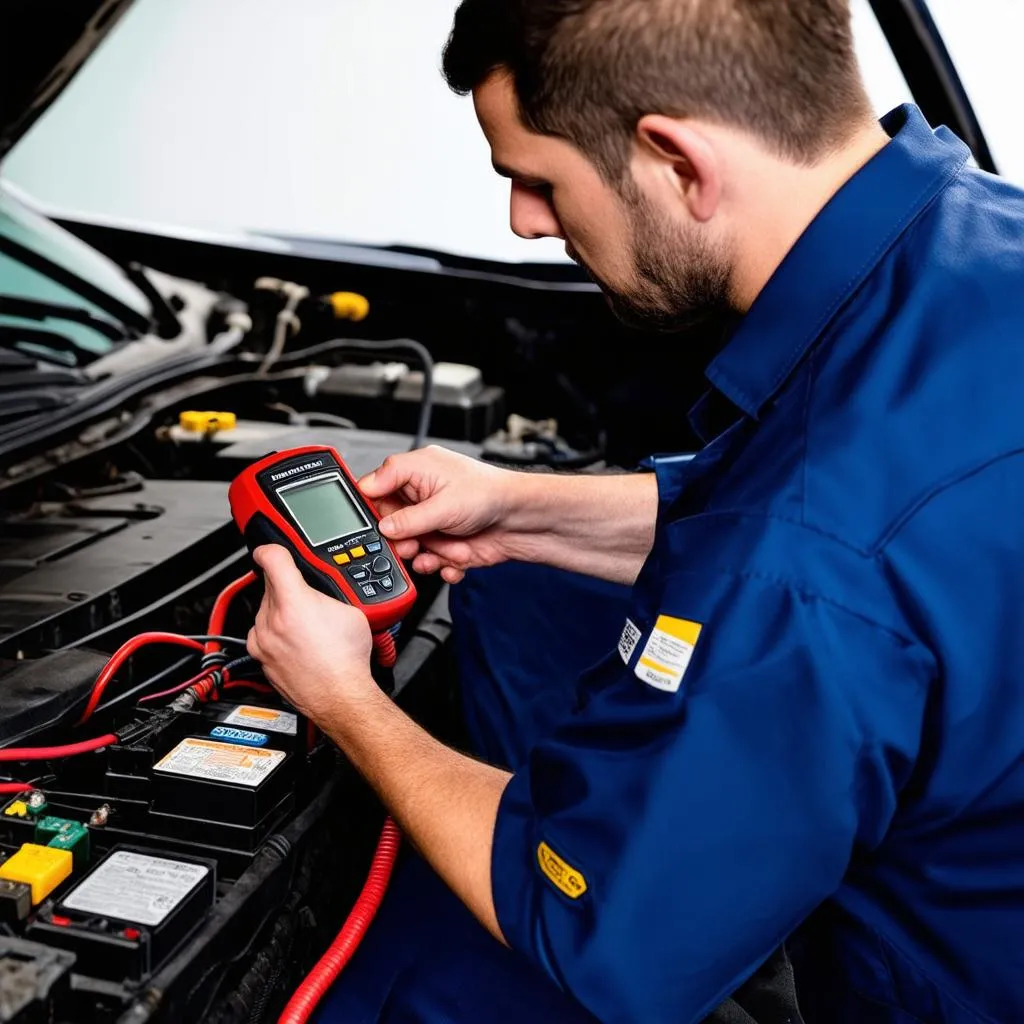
(830, 261)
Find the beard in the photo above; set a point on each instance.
(681, 280)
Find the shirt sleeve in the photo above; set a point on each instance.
(664, 842)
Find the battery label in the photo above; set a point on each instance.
(268, 719)
(246, 737)
(224, 762)
(137, 888)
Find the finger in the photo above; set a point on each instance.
(252, 644)
(407, 549)
(452, 575)
(430, 516)
(281, 575)
(395, 472)
(457, 552)
(426, 563)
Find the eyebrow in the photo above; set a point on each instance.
(529, 180)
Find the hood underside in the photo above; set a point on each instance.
(43, 45)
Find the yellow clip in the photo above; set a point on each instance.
(349, 306)
(42, 867)
(17, 809)
(206, 422)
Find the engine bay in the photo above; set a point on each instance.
(176, 842)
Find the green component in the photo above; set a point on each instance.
(64, 835)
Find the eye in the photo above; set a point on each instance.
(544, 189)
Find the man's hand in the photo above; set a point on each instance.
(443, 511)
(314, 649)
(448, 513)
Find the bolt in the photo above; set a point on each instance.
(100, 816)
(36, 799)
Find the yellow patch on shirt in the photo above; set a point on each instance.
(667, 653)
(562, 874)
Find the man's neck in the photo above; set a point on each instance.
(787, 200)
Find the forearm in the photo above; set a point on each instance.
(444, 802)
(598, 525)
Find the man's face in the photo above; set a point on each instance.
(658, 268)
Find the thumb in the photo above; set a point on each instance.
(281, 574)
(430, 516)
(395, 472)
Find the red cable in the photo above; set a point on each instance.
(15, 787)
(125, 651)
(46, 753)
(219, 615)
(384, 646)
(194, 681)
(302, 1004)
(249, 684)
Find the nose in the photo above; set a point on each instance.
(532, 215)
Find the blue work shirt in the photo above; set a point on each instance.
(814, 723)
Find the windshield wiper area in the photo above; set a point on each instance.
(34, 309)
(26, 388)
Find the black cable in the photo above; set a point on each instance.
(426, 361)
(398, 344)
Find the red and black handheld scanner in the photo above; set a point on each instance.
(307, 501)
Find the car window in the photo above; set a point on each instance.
(324, 118)
(984, 43)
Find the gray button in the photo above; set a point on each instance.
(381, 564)
(386, 582)
(369, 590)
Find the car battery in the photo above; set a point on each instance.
(224, 774)
(126, 917)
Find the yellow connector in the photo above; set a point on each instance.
(206, 422)
(17, 809)
(42, 867)
(349, 306)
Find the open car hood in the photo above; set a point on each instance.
(42, 47)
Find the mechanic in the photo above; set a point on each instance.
(806, 725)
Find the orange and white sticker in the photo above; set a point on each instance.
(562, 874)
(225, 762)
(667, 653)
(250, 716)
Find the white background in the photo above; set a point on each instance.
(330, 118)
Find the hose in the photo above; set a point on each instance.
(15, 787)
(304, 1002)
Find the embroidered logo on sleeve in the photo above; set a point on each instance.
(563, 875)
(667, 653)
(628, 641)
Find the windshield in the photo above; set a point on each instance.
(984, 38)
(318, 118)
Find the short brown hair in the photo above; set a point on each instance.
(588, 70)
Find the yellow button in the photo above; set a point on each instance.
(358, 552)
(18, 809)
(342, 559)
(42, 867)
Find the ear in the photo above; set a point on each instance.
(689, 159)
